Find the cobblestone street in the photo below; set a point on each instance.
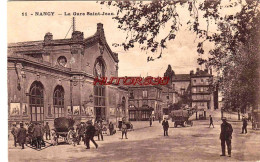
(197, 143)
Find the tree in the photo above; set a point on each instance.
(236, 37)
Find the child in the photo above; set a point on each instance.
(54, 138)
(72, 137)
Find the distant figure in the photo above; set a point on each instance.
(90, 133)
(244, 127)
(159, 118)
(47, 131)
(21, 135)
(226, 136)
(165, 125)
(151, 121)
(124, 130)
(14, 131)
(210, 121)
(111, 128)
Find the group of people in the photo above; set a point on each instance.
(33, 135)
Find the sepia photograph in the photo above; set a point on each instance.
(159, 80)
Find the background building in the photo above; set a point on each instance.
(144, 101)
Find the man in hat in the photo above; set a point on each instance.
(14, 131)
(21, 135)
(165, 125)
(37, 133)
(47, 131)
(226, 136)
(80, 131)
(90, 133)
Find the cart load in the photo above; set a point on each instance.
(181, 117)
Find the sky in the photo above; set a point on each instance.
(181, 53)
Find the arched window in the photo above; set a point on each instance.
(99, 90)
(36, 100)
(58, 102)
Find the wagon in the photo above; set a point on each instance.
(181, 117)
(62, 126)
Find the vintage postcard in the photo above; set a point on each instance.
(174, 80)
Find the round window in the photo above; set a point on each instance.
(62, 60)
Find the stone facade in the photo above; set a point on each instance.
(53, 78)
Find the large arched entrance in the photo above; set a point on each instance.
(58, 101)
(36, 100)
(99, 91)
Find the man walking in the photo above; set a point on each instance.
(165, 125)
(47, 131)
(151, 121)
(124, 130)
(226, 136)
(210, 121)
(90, 133)
(21, 135)
(81, 130)
(14, 131)
(244, 127)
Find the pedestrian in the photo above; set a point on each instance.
(165, 125)
(111, 128)
(210, 121)
(99, 128)
(90, 133)
(151, 121)
(80, 131)
(124, 130)
(225, 137)
(14, 131)
(21, 135)
(42, 134)
(30, 134)
(244, 127)
(37, 133)
(159, 118)
(47, 131)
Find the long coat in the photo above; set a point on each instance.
(165, 124)
(226, 131)
(90, 131)
(21, 135)
(37, 131)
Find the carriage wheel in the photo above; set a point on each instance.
(184, 124)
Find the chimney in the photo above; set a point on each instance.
(77, 36)
(100, 27)
(191, 72)
(48, 37)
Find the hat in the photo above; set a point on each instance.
(89, 122)
(224, 118)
